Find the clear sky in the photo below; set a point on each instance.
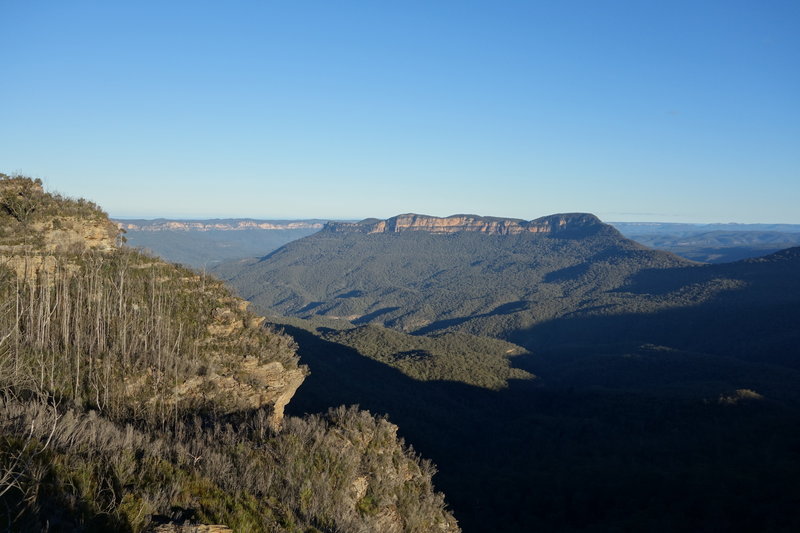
(636, 110)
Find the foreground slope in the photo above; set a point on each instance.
(137, 393)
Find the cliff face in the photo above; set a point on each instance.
(488, 225)
(32, 221)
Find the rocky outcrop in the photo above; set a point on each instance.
(46, 241)
(69, 233)
(190, 528)
(242, 371)
(32, 221)
(248, 384)
(488, 225)
(36, 227)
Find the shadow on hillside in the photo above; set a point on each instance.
(341, 375)
(751, 312)
(374, 314)
(768, 277)
(504, 309)
(624, 430)
(573, 458)
(445, 421)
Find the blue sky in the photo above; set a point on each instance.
(646, 110)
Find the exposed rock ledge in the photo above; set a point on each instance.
(193, 528)
(454, 223)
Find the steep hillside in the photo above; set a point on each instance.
(122, 331)
(137, 393)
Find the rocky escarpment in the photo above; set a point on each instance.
(489, 225)
(36, 227)
(34, 221)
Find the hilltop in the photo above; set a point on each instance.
(423, 274)
(565, 223)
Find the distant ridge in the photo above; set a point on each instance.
(199, 243)
(236, 224)
(713, 243)
(476, 223)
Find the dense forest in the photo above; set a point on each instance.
(137, 393)
(421, 283)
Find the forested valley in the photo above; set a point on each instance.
(572, 382)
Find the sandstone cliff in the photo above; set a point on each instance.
(488, 225)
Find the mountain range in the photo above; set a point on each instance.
(425, 274)
(205, 243)
(713, 243)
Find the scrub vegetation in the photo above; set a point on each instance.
(136, 393)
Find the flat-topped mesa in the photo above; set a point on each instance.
(475, 223)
